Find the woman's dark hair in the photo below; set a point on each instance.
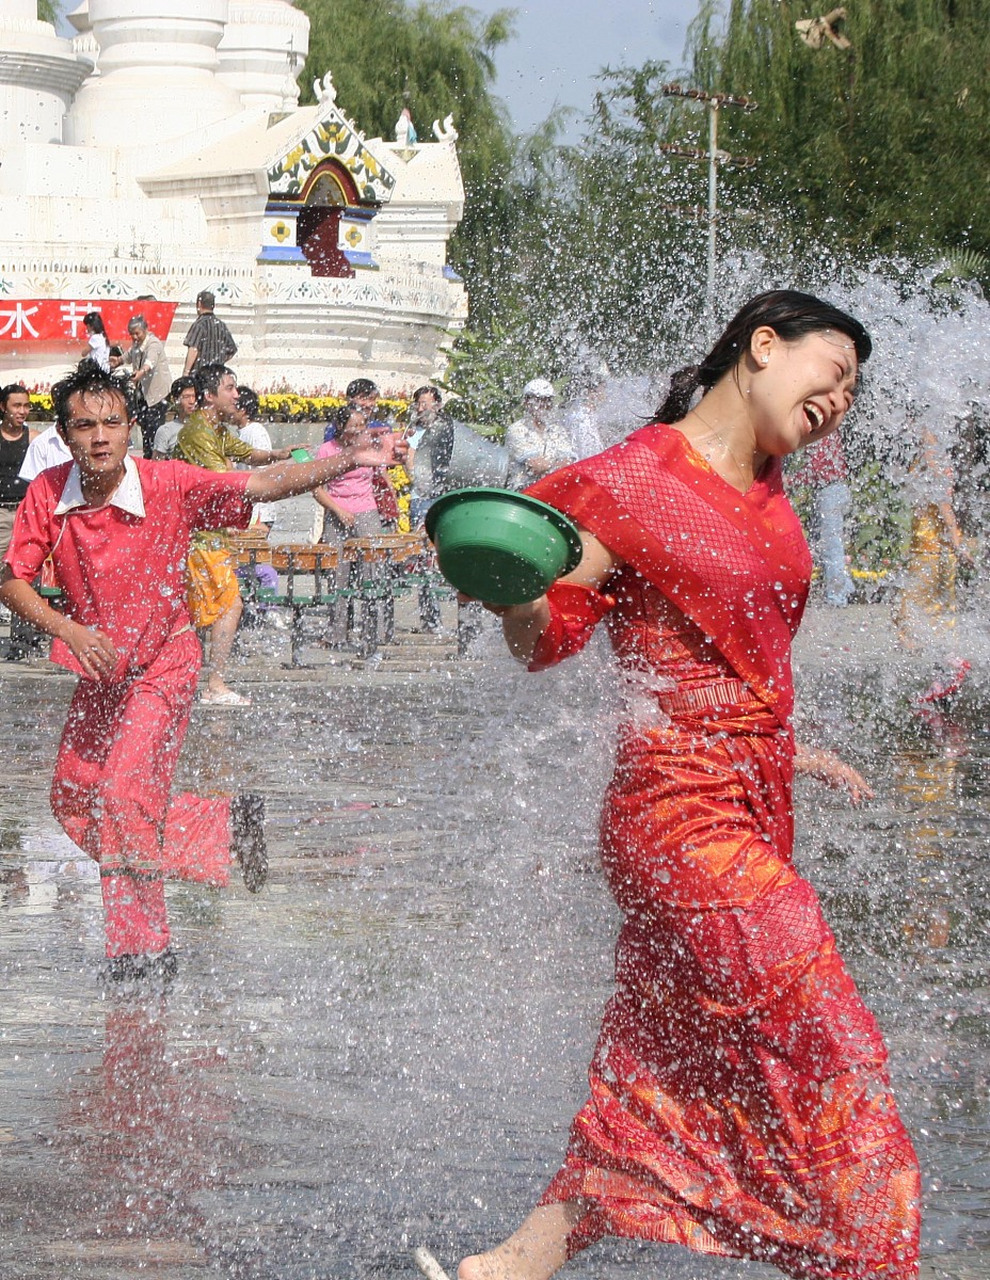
(789, 313)
(339, 419)
(94, 322)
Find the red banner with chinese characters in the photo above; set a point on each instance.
(60, 321)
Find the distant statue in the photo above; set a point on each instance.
(446, 134)
(325, 90)
(405, 130)
(815, 31)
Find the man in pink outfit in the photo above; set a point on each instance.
(117, 531)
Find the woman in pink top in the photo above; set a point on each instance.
(349, 506)
(349, 510)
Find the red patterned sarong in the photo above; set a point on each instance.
(739, 1099)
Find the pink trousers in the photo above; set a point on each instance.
(111, 793)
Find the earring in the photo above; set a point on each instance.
(766, 359)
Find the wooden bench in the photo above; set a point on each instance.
(378, 568)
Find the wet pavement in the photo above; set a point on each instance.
(384, 1047)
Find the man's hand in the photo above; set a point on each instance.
(93, 649)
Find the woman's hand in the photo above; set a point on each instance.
(94, 650)
(827, 767)
(522, 624)
(377, 447)
(514, 612)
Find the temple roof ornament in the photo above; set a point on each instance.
(446, 133)
(405, 130)
(325, 90)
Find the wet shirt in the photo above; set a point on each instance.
(353, 491)
(46, 450)
(216, 448)
(122, 571)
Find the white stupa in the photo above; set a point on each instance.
(163, 151)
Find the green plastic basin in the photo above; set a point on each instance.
(501, 546)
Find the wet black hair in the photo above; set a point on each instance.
(427, 391)
(10, 390)
(87, 379)
(789, 313)
(360, 387)
(182, 384)
(248, 401)
(94, 322)
(207, 378)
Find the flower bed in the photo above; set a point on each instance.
(286, 406)
(276, 406)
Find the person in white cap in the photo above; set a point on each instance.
(537, 443)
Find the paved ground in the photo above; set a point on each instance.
(384, 1047)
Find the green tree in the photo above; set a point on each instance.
(606, 246)
(882, 145)
(47, 11)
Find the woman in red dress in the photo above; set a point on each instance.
(739, 1100)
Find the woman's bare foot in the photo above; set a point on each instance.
(535, 1252)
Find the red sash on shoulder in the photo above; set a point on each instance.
(736, 564)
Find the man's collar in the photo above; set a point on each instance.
(127, 496)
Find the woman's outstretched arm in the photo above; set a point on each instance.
(523, 624)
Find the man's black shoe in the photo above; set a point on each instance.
(160, 969)
(247, 832)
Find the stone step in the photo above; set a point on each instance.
(429, 649)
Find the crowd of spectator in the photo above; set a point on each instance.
(205, 418)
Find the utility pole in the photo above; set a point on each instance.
(712, 102)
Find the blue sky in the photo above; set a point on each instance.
(561, 45)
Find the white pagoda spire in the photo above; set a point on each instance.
(157, 74)
(262, 52)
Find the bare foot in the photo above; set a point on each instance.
(535, 1252)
